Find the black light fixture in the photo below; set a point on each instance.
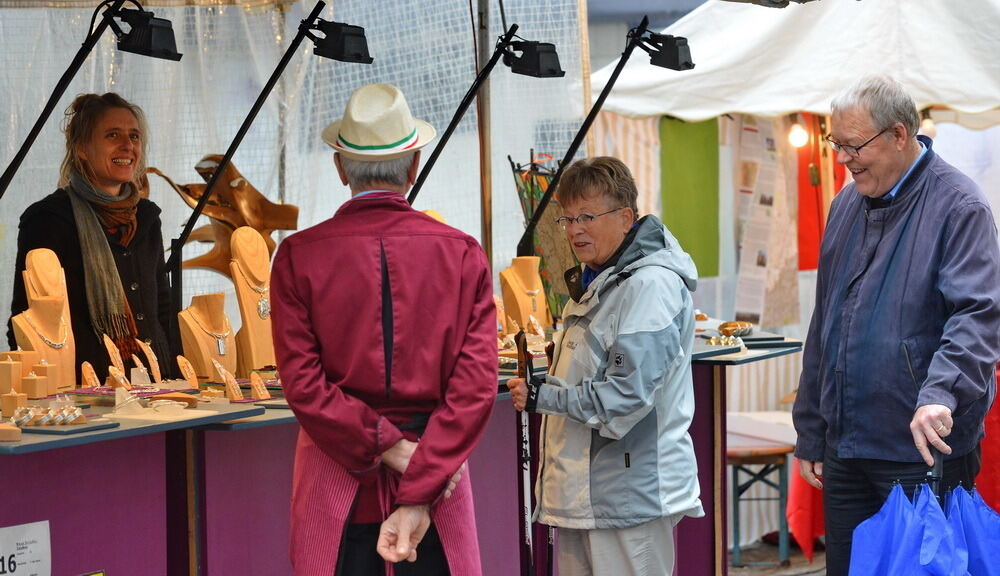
(668, 51)
(538, 59)
(664, 51)
(147, 35)
(339, 42)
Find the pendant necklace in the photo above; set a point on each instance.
(220, 339)
(263, 303)
(50, 343)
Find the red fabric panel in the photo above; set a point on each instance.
(988, 481)
(804, 511)
(810, 196)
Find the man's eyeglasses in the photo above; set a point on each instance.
(582, 219)
(852, 151)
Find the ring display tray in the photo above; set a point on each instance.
(67, 429)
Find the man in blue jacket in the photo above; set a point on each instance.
(904, 337)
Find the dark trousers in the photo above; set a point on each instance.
(358, 556)
(854, 489)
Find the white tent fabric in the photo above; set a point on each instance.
(767, 62)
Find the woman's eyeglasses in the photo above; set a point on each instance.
(583, 219)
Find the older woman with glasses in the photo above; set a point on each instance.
(617, 467)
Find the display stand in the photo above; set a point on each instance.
(207, 335)
(251, 276)
(524, 294)
(46, 327)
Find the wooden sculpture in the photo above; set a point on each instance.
(234, 203)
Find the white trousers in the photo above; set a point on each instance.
(643, 550)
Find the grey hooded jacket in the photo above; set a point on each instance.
(619, 398)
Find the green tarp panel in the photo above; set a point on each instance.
(689, 188)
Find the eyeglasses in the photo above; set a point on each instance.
(582, 219)
(852, 151)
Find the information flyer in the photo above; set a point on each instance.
(26, 550)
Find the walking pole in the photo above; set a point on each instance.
(524, 370)
(550, 542)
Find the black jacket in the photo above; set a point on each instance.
(49, 223)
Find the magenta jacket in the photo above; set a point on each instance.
(383, 318)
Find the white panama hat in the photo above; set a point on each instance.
(377, 125)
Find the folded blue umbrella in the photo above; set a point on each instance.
(978, 525)
(908, 539)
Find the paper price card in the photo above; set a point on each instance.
(26, 550)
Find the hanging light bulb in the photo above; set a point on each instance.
(927, 127)
(797, 135)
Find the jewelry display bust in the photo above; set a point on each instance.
(250, 271)
(523, 294)
(45, 326)
(206, 334)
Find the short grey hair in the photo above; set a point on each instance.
(885, 100)
(362, 174)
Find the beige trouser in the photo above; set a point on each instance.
(643, 550)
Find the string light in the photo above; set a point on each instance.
(797, 135)
(927, 127)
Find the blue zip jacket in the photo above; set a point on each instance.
(907, 314)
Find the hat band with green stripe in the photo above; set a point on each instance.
(408, 142)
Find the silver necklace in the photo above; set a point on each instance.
(220, 338)
(50, 343)
(264, 302)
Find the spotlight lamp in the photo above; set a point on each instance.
(666, 51)
(538, 59)
(342, 42)
(339, 42)
(146, 35)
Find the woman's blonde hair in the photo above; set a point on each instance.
(82, 117)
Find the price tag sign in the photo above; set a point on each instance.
(26, 550)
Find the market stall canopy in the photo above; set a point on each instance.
(766, 62)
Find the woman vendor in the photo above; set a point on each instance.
(106, 237)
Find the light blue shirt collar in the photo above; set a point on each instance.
(895, 189)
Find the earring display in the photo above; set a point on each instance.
(114, 355)
(118, 379)
(89, 376)
(257, 389)
(154, 365)
(233, 391)
(187, 371)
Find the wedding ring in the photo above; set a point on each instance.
(941, 428)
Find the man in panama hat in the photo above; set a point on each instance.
(384, 330)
